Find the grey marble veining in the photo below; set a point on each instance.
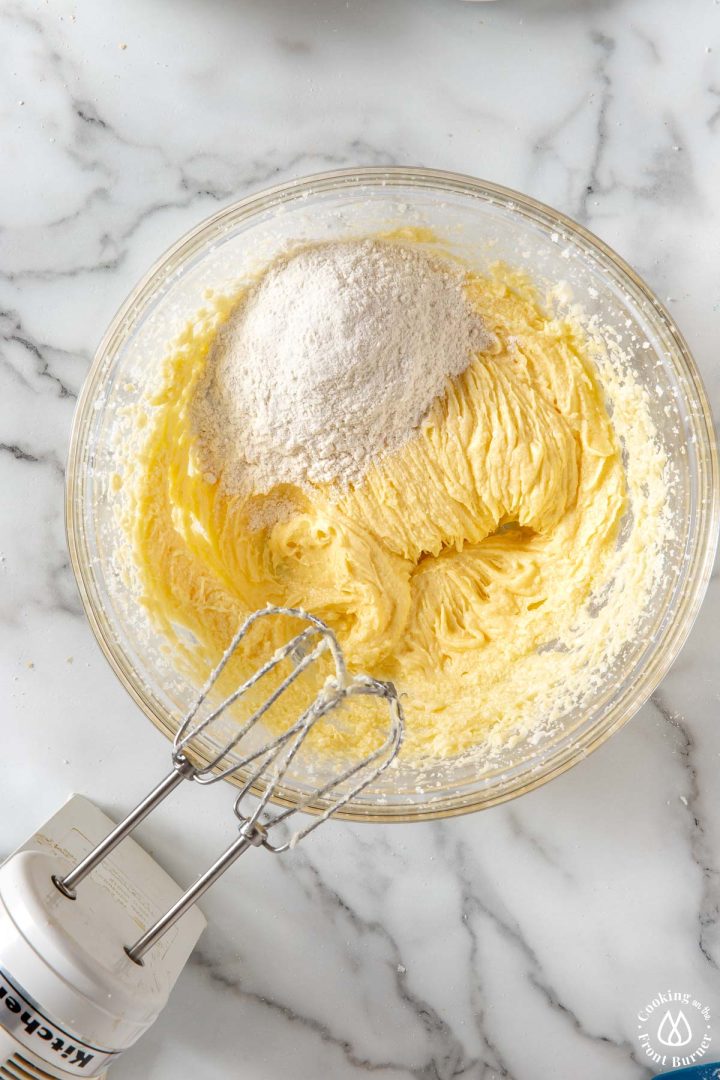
(517, 944)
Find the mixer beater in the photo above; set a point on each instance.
(75, 989)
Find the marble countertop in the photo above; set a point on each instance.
(520, 943)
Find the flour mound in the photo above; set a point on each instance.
(332, 360)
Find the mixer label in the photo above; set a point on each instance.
(22, 1017)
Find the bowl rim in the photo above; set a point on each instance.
(697, 574)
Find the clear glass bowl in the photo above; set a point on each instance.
(481, 222)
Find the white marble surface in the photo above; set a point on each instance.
(516, 944)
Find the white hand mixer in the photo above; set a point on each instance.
(77, 984)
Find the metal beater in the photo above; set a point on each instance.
(63, 945)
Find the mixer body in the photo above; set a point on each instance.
(71, 1000)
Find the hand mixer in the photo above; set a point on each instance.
(87, 962)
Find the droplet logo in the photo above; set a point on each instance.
(674, 1029)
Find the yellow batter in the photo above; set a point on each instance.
(462, 568)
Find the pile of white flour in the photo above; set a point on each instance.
(333, 359)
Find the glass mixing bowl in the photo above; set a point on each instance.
(481, 222)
